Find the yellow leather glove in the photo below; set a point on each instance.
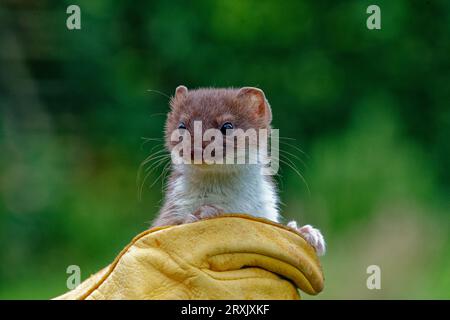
(226, 257)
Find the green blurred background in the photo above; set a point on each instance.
(370, 109)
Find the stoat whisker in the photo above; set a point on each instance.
(152, 139)
(287, 153)
(151, 156)
(293, 146)
(147, 140)
(145, 162)
(151, 169)
(161, 174)
(158, 92)
(292, 165)
(156, 160)
(141, 188)
(166, 171)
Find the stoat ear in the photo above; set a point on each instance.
(181, 92)
(256, 101)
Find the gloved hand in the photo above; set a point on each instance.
(226, 257)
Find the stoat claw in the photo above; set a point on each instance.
(312, 235)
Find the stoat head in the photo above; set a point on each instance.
(222, 113)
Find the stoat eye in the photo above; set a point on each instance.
(226, 126)
(181, 125)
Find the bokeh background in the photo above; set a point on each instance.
(369, 108)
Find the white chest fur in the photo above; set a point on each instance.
(243, 190)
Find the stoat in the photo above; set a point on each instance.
(200, 190)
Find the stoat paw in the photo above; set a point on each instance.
(191, 218)
(312, 235)
(207, 211)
